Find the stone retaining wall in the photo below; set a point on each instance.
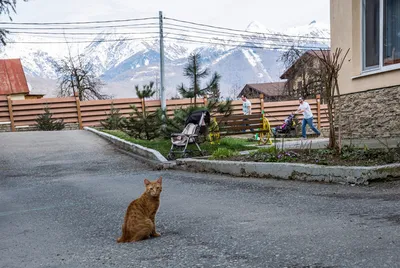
(371, 114)
(7, 127)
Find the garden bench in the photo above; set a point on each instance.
(239, 125)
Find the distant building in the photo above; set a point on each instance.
(272, 91)
(302, 78)
(13, 81)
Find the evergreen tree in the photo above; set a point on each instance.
(195, 71)
(45, 121)
(114, 121)
(142, 124)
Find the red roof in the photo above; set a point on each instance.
(12, 77)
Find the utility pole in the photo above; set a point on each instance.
(157, 88)
(162, 71)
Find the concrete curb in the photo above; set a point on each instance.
(151, 156)
(291, 171)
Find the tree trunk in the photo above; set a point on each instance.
(339, 115)
(332, 138)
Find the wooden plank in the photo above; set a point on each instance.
(56, 116)
(33, 122)
(108, 102)
(78, 111)
(41, 106)
(10, 113)
(241, 117)
(53, 111)
(42, 101)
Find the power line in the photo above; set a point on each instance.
(272, 46)
(245, 38)
(54, 34)
(78, 22)
(86, 41)
(231, 40)
(241, 31)
(82, 33)
(84, 27)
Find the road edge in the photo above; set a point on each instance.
(293, 171)
(150, 156)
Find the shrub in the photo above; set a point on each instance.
(45, 122)
(143, 125)
(114, 121)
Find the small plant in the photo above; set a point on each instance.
(143, 125)
(222, 153)
(114, 121)
(46, 122)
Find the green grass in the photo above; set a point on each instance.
(164, 145)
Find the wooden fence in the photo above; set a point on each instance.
(23, 113)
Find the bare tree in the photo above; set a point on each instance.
(76, 76)
(7, 7)
(331, 63)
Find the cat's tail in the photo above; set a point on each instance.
(122, 238)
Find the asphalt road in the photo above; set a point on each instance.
(63, 196)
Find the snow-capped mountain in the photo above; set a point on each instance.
(123, 60)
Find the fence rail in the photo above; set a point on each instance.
(23, 113)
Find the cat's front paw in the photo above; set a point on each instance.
(156, 234)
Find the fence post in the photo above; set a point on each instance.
(205, 101)
(78, 110)
(262, 102)
(10, 112)
(319, 111)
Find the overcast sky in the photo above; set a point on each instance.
(274, 14)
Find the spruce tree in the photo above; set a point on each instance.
(114, 121)
(142, 124)
(46, 122)
(195, 71)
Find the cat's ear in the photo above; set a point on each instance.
(159, 180)
(146, 182)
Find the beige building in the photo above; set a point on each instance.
(370, 77)
(303, 76)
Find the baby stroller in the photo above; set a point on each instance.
(288, 128)
(196, 124)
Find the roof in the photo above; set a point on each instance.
(268, 89)
(12, 77)
(312, 53)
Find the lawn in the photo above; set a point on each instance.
(164, 145)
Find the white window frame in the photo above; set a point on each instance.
(380, 67)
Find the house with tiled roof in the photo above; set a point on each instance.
(302, 76)
(13, 81)
(271, 91)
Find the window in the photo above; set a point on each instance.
(391, 32)
(381, 34)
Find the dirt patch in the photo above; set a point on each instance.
(348, 157)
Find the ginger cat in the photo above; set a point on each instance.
(139, 222)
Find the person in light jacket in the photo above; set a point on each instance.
(305, 109)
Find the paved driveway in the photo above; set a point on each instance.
(63, 196)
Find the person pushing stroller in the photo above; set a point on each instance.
(305, 108)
